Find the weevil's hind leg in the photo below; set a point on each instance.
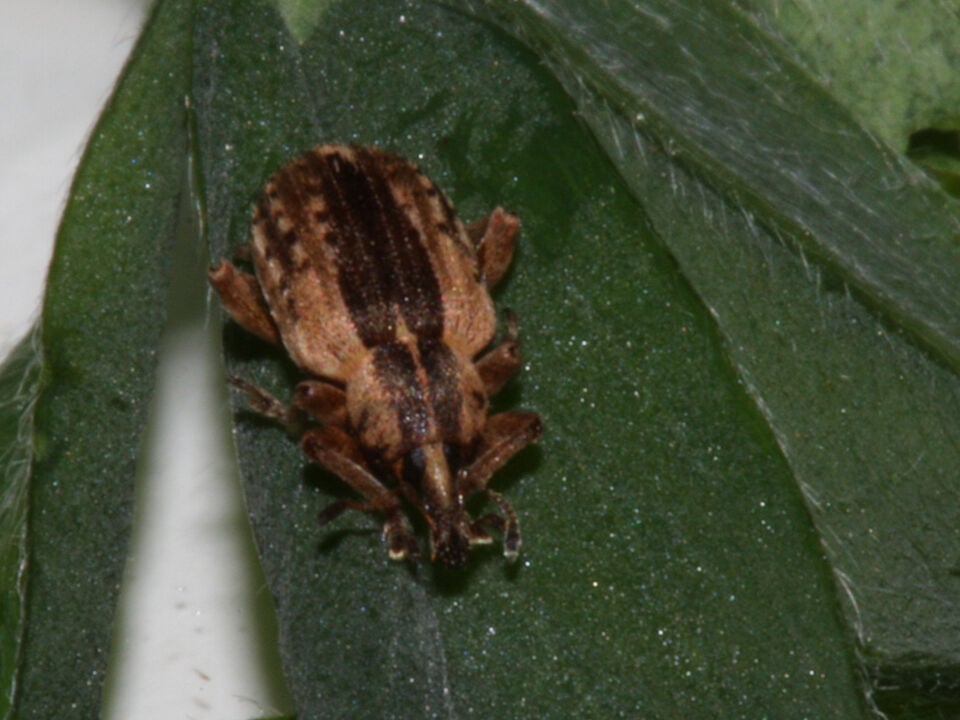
(504, 436)
(339, 453)
(242, 299)
(494, 236)
(503, 361)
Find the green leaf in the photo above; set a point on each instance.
(828, 264)
(95, 355)
(724, 99)
(739, 326)
(302, 16)
(892, 65)
(659, 515)
(18, 390)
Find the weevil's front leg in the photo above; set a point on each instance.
(339, 453)
(243, 300)
(506, 523)
(502, 362)
(495, 239)
(504, 436)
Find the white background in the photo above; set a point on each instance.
(189, 643)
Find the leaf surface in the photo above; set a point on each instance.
(828, 263)
(738, 322)
(72, 467)
(659, 516)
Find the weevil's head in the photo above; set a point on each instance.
(449, 542)
(431, 470)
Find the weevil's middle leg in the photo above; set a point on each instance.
(320, 399)
(263, 403)
(333, 448)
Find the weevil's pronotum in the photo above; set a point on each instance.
(378, 292)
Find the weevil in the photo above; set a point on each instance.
(378, 292)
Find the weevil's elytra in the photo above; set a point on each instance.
(366, 276)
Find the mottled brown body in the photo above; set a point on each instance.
(367, 277)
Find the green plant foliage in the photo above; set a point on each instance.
(658, 513)
(854, 376)
(893, 65)
(102, 316)
(18, 390)
(739, 322)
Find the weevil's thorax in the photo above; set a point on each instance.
(412, 392)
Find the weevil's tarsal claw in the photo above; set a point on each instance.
(478, 533)
(511, 545)
(510, 525)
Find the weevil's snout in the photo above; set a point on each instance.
(449, 543)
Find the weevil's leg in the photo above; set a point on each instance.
(339, 453)
(242, 299)
(478, 529)
(396, 530)
(503, 437)
(503, 361)
(324, 401)
(506, 523)
(495, 238)
(263, 403)
(509, 524)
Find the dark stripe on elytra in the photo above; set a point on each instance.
(396, 369)
(383, 264)
(410, 278)
(359, 278)
(417, 290)
(443, 384)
